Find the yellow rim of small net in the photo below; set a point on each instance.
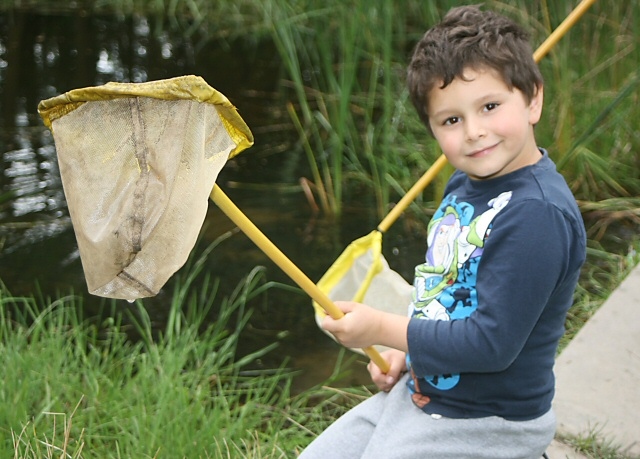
(371, 242)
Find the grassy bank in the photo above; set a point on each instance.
(113, 385)
(76, 388)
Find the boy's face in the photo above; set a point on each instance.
(484, 128)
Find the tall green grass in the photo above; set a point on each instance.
(344, 85)
(76, 387)
(358, 125)
(347, 105)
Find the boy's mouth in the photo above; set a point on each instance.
(480, 152)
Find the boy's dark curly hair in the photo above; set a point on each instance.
(468, 37)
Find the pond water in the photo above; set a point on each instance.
(45, 55)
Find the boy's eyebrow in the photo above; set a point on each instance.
(489, 97)
(478, 101)
(441, 113)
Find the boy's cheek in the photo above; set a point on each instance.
(448, 144)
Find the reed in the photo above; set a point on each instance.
(347, 69)
(341, 60)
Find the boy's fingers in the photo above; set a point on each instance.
(328, 324)
(345, 306)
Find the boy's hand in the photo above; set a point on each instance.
(364, 326)
(397, 366)
(360, 326)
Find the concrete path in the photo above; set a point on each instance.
(598, 376)
(559, 450)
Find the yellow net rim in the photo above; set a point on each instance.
(358, 248)
(189, 87)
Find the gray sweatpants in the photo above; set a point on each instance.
(389, 425)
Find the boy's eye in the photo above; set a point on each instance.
(451, 120)
(491, 106)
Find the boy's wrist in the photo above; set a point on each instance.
(391, 330)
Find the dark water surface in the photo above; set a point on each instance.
(45, 55)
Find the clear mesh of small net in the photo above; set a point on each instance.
(137, 163)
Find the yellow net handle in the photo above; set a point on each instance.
(416, 189)
(562, 29)
(269, 248)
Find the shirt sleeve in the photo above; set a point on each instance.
(525, 258)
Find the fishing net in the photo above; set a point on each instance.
(138, 162)
(361, 273)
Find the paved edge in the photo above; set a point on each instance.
(559, 450)
(598, 373)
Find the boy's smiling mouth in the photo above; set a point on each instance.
(480, 152)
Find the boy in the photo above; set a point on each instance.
(471, 367)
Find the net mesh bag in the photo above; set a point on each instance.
(137, 162)
(362, 274)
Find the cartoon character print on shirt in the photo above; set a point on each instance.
(444, 286)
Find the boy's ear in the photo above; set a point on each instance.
(535, 106)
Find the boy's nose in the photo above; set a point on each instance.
(474, 129)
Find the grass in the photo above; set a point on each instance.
(344, 85)
(349, 110)
(115, 386)
(600, 276)
(594, 445)
(76, 388)
(342, 90)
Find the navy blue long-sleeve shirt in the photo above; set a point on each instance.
(503, 260)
